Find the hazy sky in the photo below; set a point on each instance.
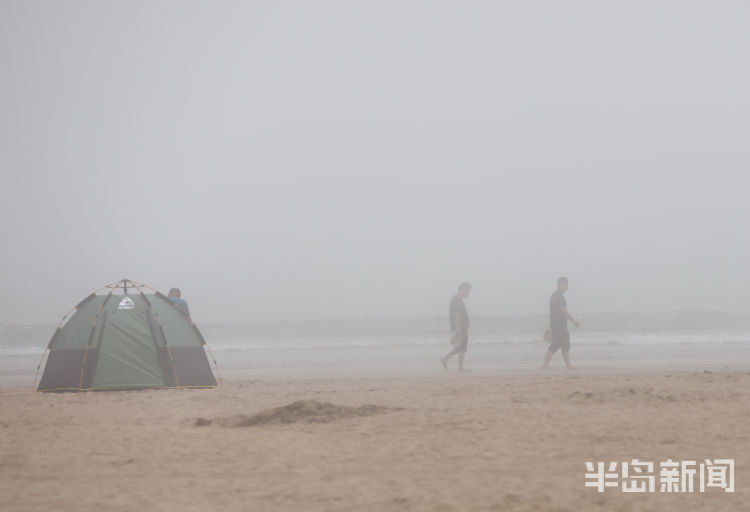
(301, 160)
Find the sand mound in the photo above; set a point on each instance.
(301, 411)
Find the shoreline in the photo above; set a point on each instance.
(481, 360)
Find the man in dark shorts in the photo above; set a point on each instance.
(459, 319)
(558, 324)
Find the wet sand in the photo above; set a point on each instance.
(439, 442)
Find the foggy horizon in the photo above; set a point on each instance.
(283, 162)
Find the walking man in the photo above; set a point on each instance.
(558, 322)
(459, 320)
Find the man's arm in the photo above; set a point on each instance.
(184, 309)
(184, 312)
(569, 316)
(457, 321)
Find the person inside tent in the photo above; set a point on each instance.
(175, 296)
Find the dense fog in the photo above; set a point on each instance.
(311, 160)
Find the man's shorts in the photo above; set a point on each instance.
(560, 339)
(463, 342)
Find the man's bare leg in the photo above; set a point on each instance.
(547, 359)
(566, 357)
(444, 360)
(461, 361)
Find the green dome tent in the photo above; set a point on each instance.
(126, 336)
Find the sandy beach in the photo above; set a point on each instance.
(438, 442)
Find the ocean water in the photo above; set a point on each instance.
(604, 343)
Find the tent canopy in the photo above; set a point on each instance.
(126, 336)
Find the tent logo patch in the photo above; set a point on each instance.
(126, 303)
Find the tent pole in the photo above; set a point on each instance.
(69, 313)
(91, 335)
(39, 366)
(216, 366)
(166, 343)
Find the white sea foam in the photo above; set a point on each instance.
(313, 343)
(626, 330)
(21, 351)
